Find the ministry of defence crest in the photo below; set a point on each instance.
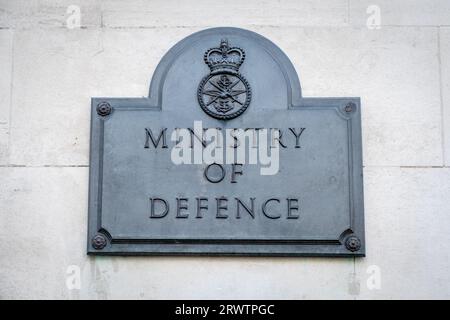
(224, 93)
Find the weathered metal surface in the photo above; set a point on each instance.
(141, 202)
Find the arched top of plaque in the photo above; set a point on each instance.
(225, 70)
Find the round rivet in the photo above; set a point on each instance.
(353, 243)
(99, 242)
(104, 109)
(350, 107)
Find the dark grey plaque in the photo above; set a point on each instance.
(141, 203)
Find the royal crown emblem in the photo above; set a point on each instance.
(224, 93)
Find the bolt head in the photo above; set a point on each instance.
(350, 107)
(104, 109)
(99, 242)
(353, 243)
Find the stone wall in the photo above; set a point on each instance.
(50, 68)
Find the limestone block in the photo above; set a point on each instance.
(42, 231)
(219, 278)
(407, 236)
(445, 74)
(169, 13)
(54, 79)
(6, 57)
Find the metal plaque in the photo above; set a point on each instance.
(225, 157)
